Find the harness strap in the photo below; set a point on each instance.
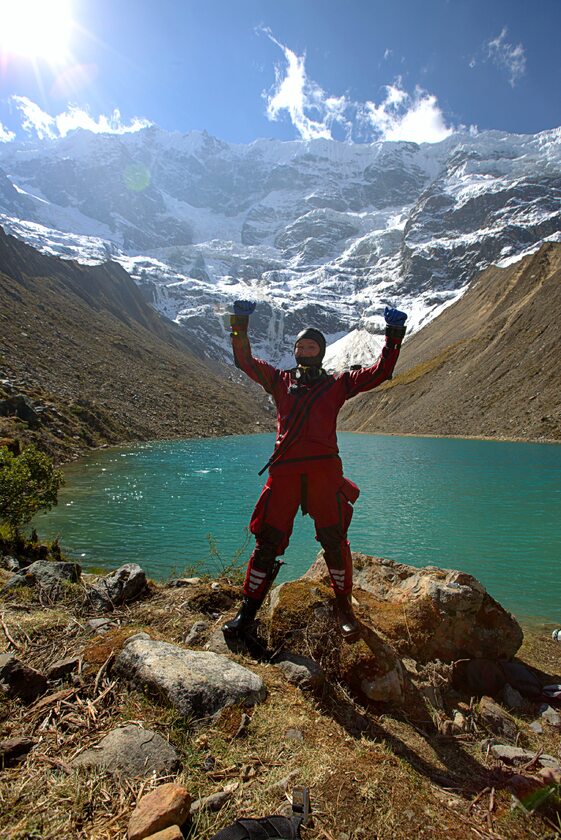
(292, 433)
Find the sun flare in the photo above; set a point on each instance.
(36, 29)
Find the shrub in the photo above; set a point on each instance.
(28, 483)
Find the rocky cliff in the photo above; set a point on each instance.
(85, 361)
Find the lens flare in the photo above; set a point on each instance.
(136, 177)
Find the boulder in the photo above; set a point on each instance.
(47, 575)
(166, 806)
(120, 587)
(430, 613)
(132, 751)
(301, 619)
(197, 683)
(18, 680)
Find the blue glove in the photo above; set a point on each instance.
(394, 317)
(244, 307)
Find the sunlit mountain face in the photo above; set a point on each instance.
(318, 232)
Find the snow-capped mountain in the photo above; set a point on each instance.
(316, 231)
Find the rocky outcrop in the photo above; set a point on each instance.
(430, 613)
(132, 751)
(48, 576)
(302, 619)
(197, 683)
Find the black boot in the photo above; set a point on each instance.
(245, 617)
(349, 626)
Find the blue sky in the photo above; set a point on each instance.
(359, 70)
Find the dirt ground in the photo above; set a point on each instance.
(373, 772)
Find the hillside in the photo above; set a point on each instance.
(98, 365)
(487, 366)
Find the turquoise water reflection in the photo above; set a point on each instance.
(492, 509)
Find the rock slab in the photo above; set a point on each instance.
(132, 751)
(197, 683)
(166, 806)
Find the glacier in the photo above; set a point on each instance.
(317, 232)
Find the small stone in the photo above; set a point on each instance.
(215, 586)
(194, 636)
(166, 806)
(171, 833)
(120, 587)
(512, 698)
(293, 735)
(496, 719)
(516, 755)
(180, 582)
(536, 727)
(100, 625)
(13, 750)
(132, 751)
(63, 667)
(300, 670)
(18, 680)
(552, 717)
(9, 563)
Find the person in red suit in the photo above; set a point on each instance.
(305, 470)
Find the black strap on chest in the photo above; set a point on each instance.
(302, 411)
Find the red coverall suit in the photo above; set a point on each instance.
(305, 469)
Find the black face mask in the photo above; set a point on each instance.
(309, 361)
(308, 374)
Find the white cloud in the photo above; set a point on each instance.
(507, 56)
(36, 121)
(388, 54)
(314, 114)
(299, 96)
(6, 135)
(417, 118)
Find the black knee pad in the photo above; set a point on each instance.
(331, 538)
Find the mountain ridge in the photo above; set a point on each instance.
(488, 366)
(317, 231)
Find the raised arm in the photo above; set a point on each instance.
(368, 378)
(258, 370)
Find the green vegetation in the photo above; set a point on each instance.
(28, 483)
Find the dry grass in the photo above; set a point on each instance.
(371, 775)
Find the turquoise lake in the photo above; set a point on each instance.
(491, 509)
